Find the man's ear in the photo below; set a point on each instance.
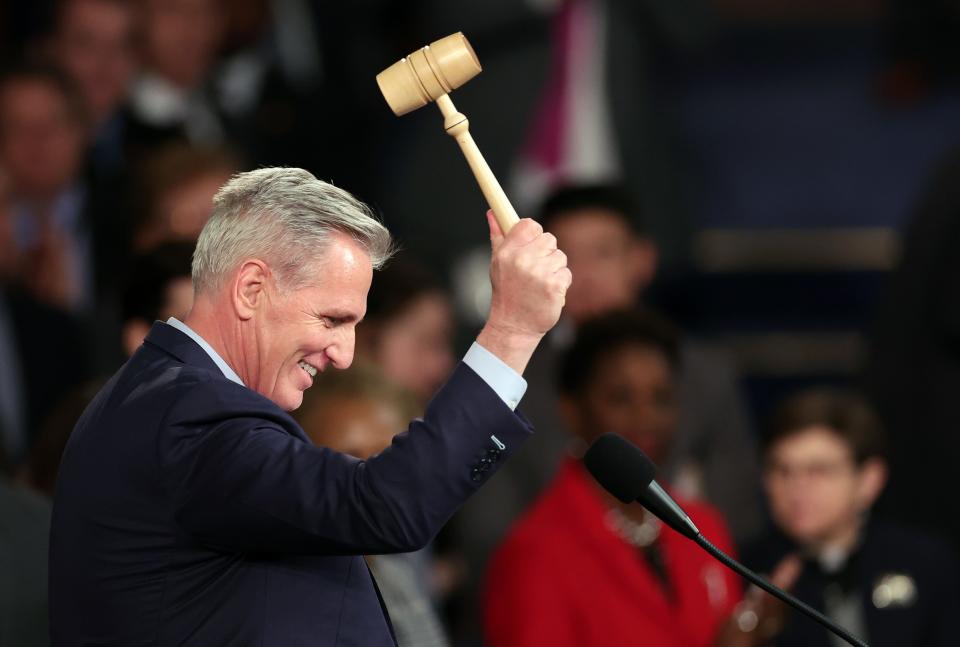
(250, 287)
(872, 479)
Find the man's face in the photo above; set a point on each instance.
(815, 489)
(41, 143)
(95, 46)
(305, 331)
(610, 264)
(631, 394)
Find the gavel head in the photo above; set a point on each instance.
(428, 73)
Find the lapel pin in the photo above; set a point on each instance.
(894, 590)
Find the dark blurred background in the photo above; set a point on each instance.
(795, 164)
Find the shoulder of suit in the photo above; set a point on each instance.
(204, 395)
(911, 545)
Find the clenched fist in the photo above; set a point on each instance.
(530, 280)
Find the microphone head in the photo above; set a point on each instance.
(619, 466)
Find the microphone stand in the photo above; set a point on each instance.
(775, 591)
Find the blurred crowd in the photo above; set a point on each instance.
(120, 119)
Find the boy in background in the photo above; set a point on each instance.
(824, 468)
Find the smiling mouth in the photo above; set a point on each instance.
(310, 369)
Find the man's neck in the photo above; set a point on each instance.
(202, 321)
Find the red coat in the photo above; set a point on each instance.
(563, 578)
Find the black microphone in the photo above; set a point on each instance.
(623, 470)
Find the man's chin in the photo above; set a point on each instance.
(289, 401)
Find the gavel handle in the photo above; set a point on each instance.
(458, 127)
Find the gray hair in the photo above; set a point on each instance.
(285, 217)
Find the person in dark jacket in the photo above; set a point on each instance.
(888, 584)
(191, 509)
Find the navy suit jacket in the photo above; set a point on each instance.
(925, 617)
(191, 510)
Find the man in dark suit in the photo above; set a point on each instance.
(192, 510)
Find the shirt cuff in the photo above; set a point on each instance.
(505, 382)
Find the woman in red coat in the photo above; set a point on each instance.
(581, 568)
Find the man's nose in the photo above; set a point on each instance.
(341, 351)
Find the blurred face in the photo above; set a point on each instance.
(178, 299)
(817, 493)
(182, 38)
(41, 143)
(186, 208)
(289, 337)
(413, 349)
(359, 426)
(631, 394)
(95, 46)
(610, 264)
(8, 251)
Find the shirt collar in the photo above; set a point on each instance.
(228, 372)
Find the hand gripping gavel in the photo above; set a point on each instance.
(429, 74)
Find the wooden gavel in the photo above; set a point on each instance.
(430, 74)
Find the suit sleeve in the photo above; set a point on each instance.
(242, 482)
